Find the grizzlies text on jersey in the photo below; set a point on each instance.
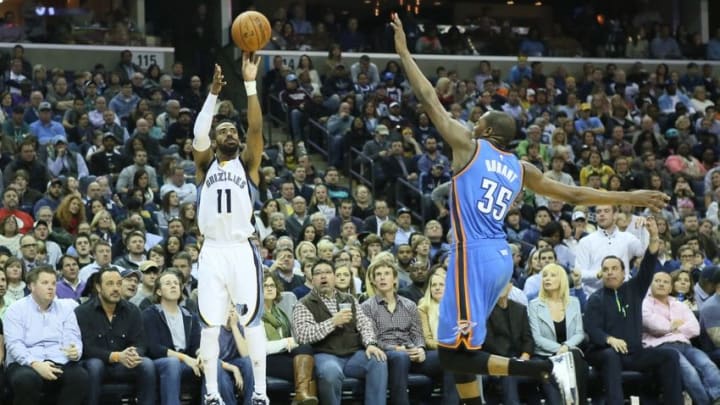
(225, 210)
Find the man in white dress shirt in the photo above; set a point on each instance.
(607, 240)
(186, 192)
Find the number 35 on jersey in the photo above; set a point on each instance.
(496, 201)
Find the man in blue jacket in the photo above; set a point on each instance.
(173, 336)
(613, 322)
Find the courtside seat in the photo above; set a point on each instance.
(635, 383)
(117, 393)
(353, 388)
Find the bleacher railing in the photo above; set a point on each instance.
(405, 192)
(275, 114)
(466, 65)
(364, 165)
(318, 138)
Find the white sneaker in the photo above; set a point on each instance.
(213, 399)
(564, 374)
(259, 399)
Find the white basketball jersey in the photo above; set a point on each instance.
(224, 208)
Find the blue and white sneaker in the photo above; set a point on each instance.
(260, 399)
(564, 374)
(213, 399)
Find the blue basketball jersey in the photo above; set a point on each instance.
(480, 261)
(483, 192)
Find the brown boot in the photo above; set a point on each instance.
(305, 388)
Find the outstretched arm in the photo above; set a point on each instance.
(452, 131)
(202, 153)
(535, 181)
(252, 156)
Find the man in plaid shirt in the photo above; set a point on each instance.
(338, 330)
(396, 321)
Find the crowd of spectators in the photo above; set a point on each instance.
(587, 32)
(603, 127)
(99, 236)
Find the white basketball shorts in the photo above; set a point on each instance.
(229, 274)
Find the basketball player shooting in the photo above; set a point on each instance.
(487, 179)
(230, 273)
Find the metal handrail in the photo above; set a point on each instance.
(323, 145)
(274, 100)
(359, 176)
(412, 189)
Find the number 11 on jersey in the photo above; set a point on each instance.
(228, 207)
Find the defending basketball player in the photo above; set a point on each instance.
(487, 180)
(230, 273)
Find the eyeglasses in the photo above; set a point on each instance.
(269, 286)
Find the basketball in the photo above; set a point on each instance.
(251, 31)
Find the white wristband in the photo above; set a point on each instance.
(251, 88)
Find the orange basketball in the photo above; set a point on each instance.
(251, 31)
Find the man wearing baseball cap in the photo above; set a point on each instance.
(61, 161)
(296, 99)
(45, 129)
(107, 160)
(705, 287)
(15, 126)
(587, 123)
(149, 270)
(403, 218)
(130, 281)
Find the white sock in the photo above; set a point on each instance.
(255, 336)
(209, 352)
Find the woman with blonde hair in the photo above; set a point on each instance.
(429, 310)
(104, 227)
(69, 214)
(321, 202)
(429, 306)
(304, 250)
(325, 250)
(559, 138)
(699, 99)
(227, 110)
(556, 323)
(445, 91)
(532, 266)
